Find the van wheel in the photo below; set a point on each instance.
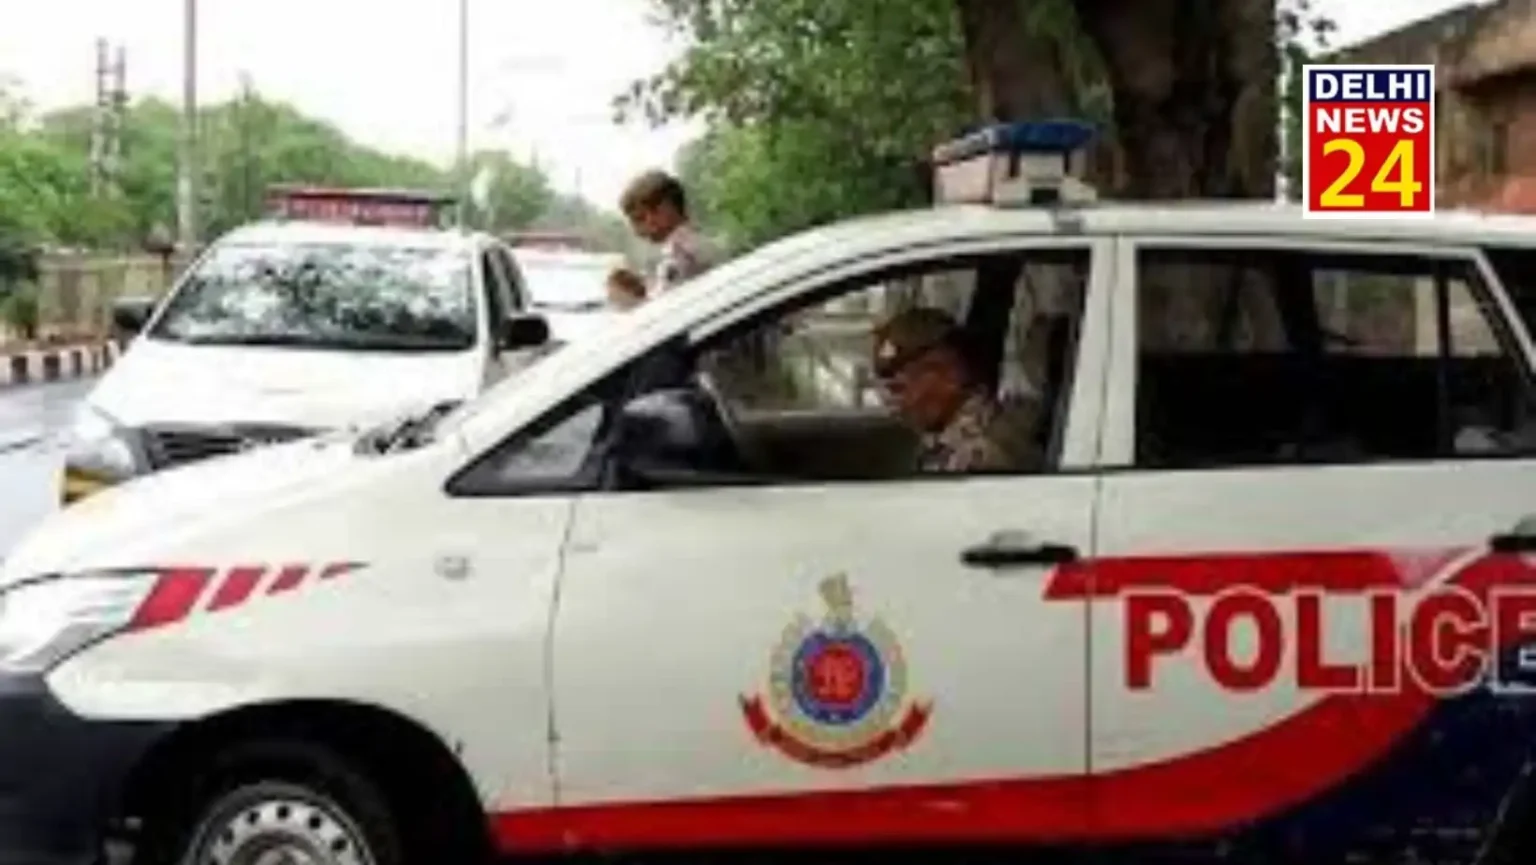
(309, 808)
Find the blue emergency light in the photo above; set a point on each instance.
(1033, 163)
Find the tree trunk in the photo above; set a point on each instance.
(1194, 94)
(1016, 74)
(1193, 87)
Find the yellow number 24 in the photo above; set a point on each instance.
(1399, 161)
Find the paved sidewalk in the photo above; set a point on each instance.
(54, 363)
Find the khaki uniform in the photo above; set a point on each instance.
(982, 435)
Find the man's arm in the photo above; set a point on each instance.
(628, 279)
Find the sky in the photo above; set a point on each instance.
(542, 72)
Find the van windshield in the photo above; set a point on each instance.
(326, 296)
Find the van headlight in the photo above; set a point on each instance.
(99, 452)
(43, 622)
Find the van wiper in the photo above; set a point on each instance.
(345, 342)
(408, 433)
(569, 305)
(253, 339)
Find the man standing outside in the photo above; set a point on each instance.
(657, 209)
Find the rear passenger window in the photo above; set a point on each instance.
(1395, 314)
(1516, 267)
(1255, 357)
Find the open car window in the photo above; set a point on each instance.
(795, 392)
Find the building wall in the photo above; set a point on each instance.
(1485, 64)
(76, 291)
(1469, 106)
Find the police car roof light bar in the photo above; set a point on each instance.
(1029, 164)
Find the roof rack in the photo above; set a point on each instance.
(1033, 164)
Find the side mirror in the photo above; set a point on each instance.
(523, 330)
(674, 437)
(130, 314)
(663, 426)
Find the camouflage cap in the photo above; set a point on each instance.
(909, 333)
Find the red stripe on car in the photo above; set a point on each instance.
(288, 578)
(1204, 791)
(236, 587)
(175, 593)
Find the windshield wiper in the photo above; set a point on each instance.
(332, 343)
(410, 432)
(570, 305)
(401, 342)
(255, 339)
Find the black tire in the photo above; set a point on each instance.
(260, 793)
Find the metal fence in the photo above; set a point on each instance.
(76, 291)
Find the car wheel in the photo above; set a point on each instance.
(323, 813)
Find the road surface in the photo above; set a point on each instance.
(32, 420)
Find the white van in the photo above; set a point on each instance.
(569, 289)
(1264, 593)
(281, 330)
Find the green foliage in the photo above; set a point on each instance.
(518, 193)
(1303, 36)
(246, 144)
(18, 262)
(605, 228)
(819, 109)
(890, 74)
(20, 310)
(823, 109)
(756, 182)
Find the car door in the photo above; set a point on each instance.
(1309, 447)
(804, 661)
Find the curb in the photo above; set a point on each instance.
(56, 364)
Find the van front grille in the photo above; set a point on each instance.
(168, 446)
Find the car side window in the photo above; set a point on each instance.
(1516, 269)
(1284, 356)
(825, 388)
(560, 452)
(817, 358)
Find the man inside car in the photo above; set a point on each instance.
(926, 376)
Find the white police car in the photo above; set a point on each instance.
(297, 325)
(1264, 600)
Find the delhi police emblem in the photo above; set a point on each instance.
(837, 692)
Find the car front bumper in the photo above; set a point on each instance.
(61, 776)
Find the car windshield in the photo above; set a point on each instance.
(732, 272)
(326, 295)
(561, 286)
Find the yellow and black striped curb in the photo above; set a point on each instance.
(55, 364)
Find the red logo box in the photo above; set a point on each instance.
(1368, 140)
